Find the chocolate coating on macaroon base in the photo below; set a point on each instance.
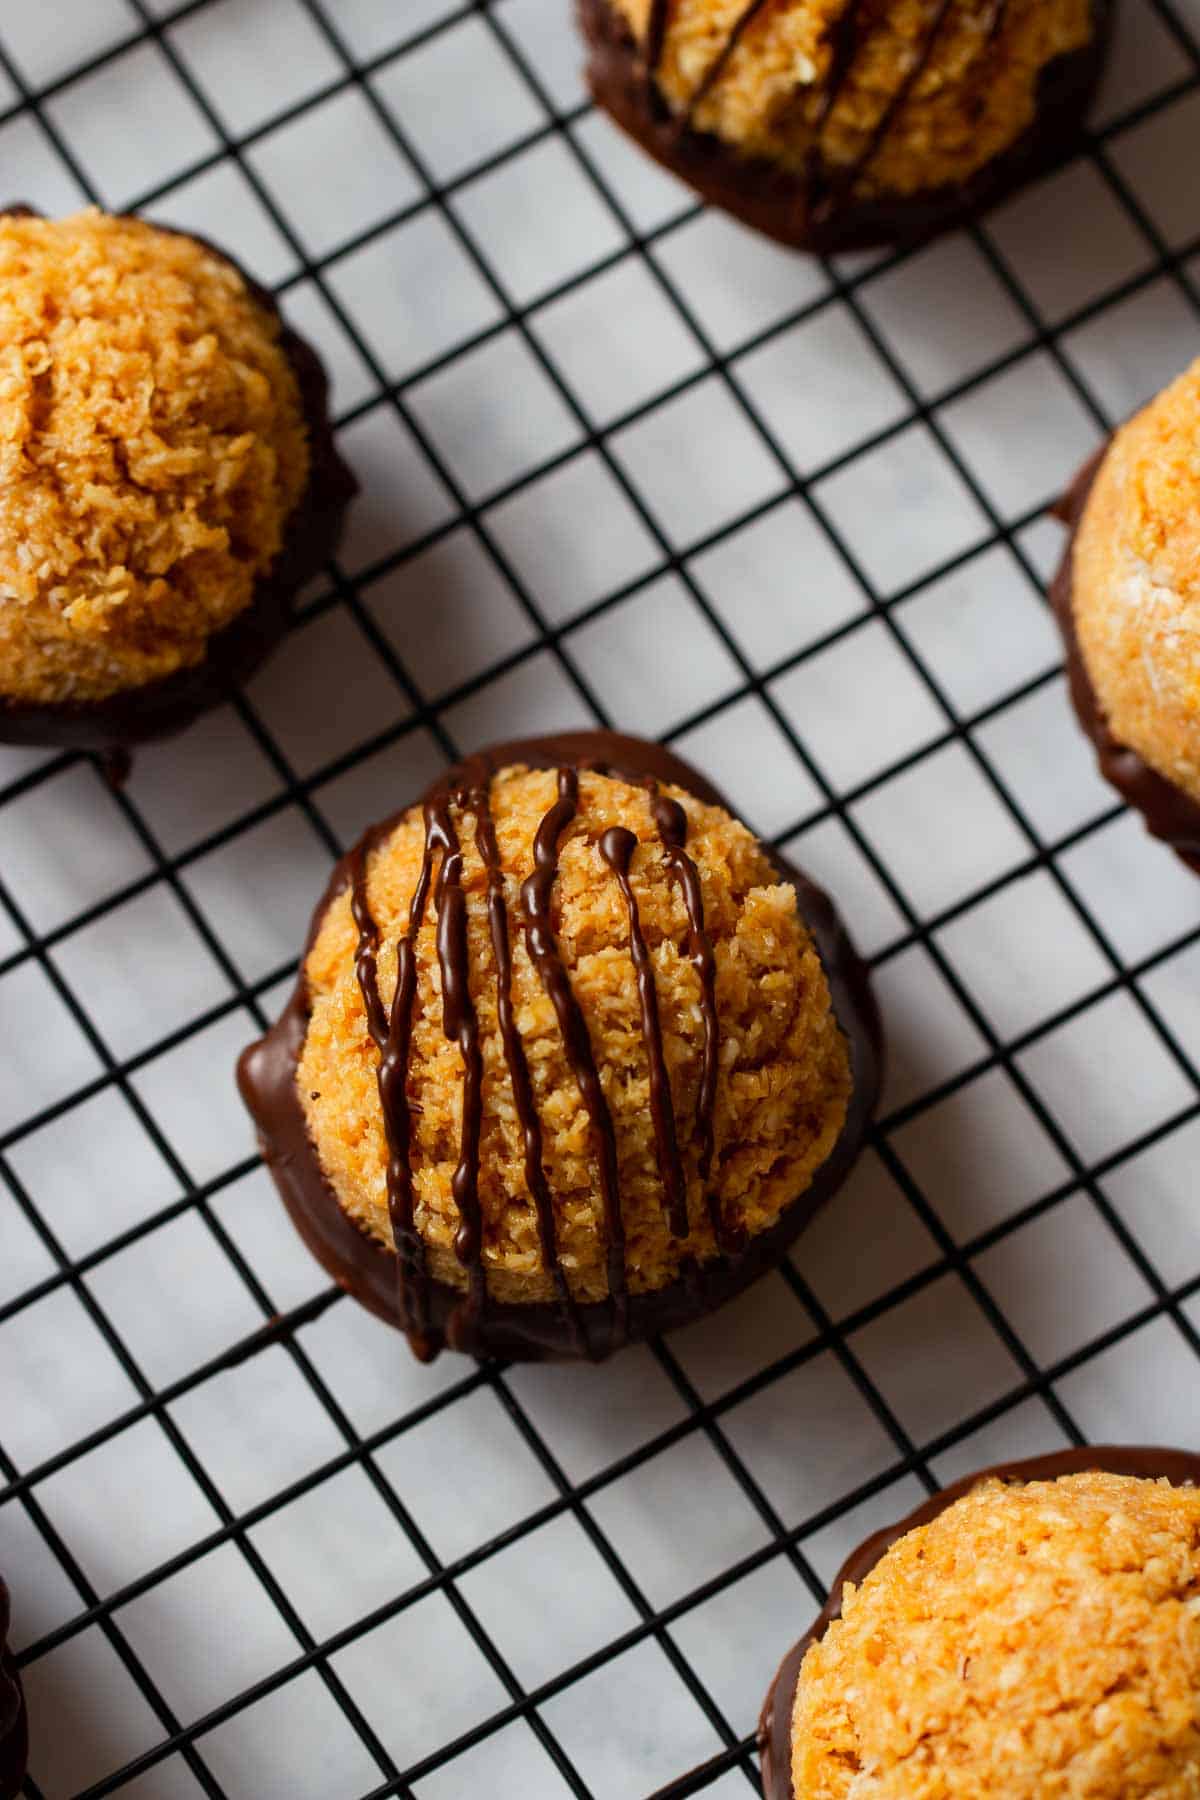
(159, 708)
(476, 1323)
(1169, 812)
(14, 1724)
(1180, 1467)
(827, 216)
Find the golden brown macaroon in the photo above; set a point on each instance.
(831, 123)
(675, 1125)
(1128, 597)
(159, 431)
(1031, 1641)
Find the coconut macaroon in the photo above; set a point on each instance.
(836, 122)
(157, 430)
(1031, 1640)
(565, 1042)
(1128, 597)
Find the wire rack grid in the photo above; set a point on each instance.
(254, 1550)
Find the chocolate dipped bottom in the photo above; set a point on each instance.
(1180, 1467)
(160, 707)
(396, 1283)
(14, 1724)
(820, 207)
(1169, 813)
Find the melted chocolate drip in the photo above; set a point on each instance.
(518, 1068)
(895, 106)
(462, 1027)
(1180, 1467)
(544, 954)
(392, 1038)
(844, 47)
(656, 36)
(839, 182)
(617, 847)
(671, 821)
(720, 61)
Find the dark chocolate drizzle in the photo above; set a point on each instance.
(844, 43)
(577, 1045)
(462, 1027)
(844, 181)
(656, 38)
(617, 846)
(1169, 812)
(14, 1725)
(1180, 1467)
(479, 800)
(392, 1037)
(671, 821)
(430, 1311)
(720, 61)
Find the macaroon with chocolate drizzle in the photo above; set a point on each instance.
(960, 1674)
(1127, 600)
(598, 1091)
(207, 485)
(834, 124)
(14, 1724)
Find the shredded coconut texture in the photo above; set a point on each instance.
(784, 1081)
(1036, 1642)
(1137, 583)
(974, 96)
(152, 446)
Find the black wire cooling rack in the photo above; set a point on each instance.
(252, 1549)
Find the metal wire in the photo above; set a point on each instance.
(816, 1332)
